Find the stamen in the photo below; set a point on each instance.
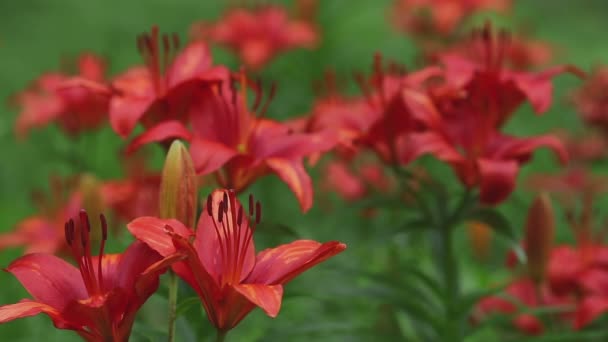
(209, 206)
(239, 218)
(273, 90)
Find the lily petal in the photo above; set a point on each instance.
(172, 129)
(497, 179)
(267, 297)
(208, 156)
(28, 308)
(49, 279)
(152, 231)
(292, 172)
(195, 59)
(281, 264)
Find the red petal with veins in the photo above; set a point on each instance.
(209, 246)
(27, 308)
(281, 264)
(49, 279)
(163, 131)
(267, 297)
(292, 172)
(152, 231)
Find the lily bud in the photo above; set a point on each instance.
(480, 236)
(540, 231)
(178, 188)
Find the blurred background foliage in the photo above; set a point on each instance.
(338, 301)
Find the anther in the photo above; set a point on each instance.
(209, 206)
(239, 218)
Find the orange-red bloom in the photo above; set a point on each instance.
(591, 100)
(258, 34)
(438, 18)
(222, 266)
(161, 90)
(228, 139)
(47, 100)
(478, 98)
(98, 299)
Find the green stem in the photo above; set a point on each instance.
(172, 304)
(221, 336)
(451, 276)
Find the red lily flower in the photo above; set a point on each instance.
(222, 266)
(349, 117)
(401, 107)
(482, 73)
(259, 34)
(98, 299)
(75, 110)
(437, 18)
(591, 100)
(161, 90)
(468, 135)
(230, 141)
(354, 183)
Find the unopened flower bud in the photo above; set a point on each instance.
(178, 188)
(540, 231)
(480, 236)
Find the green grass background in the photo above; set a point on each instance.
(35, 34)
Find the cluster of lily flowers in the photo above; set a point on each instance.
(454, 108)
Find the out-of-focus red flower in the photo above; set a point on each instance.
(259, 33)
(521, 292)
(439, 18)
(477, 99)
(570, 186)
(43, 233)
(163, 89)
(222, 266)
(134, 196)
(401, 106)
(229, 140)
(583, 148)
(98, 299)
(591, 100)
(518, 52)
(75, 110)
(349, 117)
(357, 181)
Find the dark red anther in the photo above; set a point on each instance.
(250, 205)
(225, 198)
(104, 227)
(209, 205)
(258, 212)
(239, 217)
(68, 238)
